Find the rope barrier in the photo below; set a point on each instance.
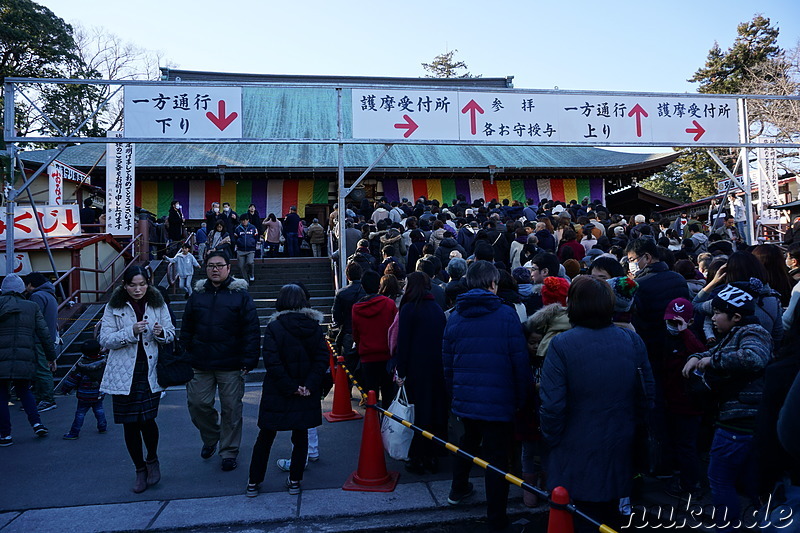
(452, 448)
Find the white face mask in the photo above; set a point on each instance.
(634, 267)
(227, 209)
(177, 206)
(216, 209)
(672, 330)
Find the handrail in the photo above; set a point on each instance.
(63, 277)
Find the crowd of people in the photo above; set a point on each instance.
(578, 347)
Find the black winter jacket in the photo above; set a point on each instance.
(343, 304)
(295, 354)
(220, 327)
(21, 327)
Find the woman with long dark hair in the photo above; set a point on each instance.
(295, 358)
(272, 234)
(775, 267)
(420, 368)
(135, 322)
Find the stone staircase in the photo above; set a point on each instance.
(271, 275)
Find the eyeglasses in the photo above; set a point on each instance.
(218, 266)
(634, 259)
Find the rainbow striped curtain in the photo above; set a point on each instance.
(276, 196)
(446, 190)
(269, 196)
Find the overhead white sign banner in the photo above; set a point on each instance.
(768, 182)
(516, 117)
(57, 221)
(22, 264)
(165, 111)
(120, 186)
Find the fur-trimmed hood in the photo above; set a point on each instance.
(300, 323)
(119, 298)
(307, 311)
(546, 317)
(231, 283)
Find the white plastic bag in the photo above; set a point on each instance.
(396, 437)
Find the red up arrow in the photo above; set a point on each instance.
(639, 112)
(69, 224)
(698, 129)
(409, 125)
(220, 120)
(473, 109)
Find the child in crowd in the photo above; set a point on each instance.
(85, 378)
(733, 371)
(185, 263)
(683, 414)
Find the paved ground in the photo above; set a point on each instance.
(51, 484)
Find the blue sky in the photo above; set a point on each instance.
(581, 45)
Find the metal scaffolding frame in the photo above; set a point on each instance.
(10, 136)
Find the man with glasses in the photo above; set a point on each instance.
(658, 286)
(221, 336)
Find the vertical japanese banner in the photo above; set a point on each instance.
(768, 182)
(120, 186)
(56, 180)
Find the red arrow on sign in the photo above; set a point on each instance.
(639, 112)
(698, 129)
(473, 109)
(69, 224)
(220, 120)
(409, 125)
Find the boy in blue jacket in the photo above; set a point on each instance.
(86, 379)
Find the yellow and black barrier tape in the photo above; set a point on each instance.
(511, 478)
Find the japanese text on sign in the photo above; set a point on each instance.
(544, 118)
(58, 172)
(22, 264)
(57, 221)
(120, 187)
(768, 182)
(188, 112)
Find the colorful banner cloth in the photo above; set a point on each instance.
(276, 196)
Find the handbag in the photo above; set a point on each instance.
(305, 245)
(172, 369)
(397, 437)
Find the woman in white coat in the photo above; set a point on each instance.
(135, 322)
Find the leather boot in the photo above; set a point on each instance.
(153, 472)
(140, 485)
(529, 498)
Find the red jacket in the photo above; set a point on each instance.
(577, 247)
(371, 321)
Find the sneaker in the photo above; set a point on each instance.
(102, 430)
(286, 464)
(252, 490)
(457, 497)
(228, 464)
(252, 278)
(312, 458)
(208, 451)
(40, 430)
(6, 441)
(293, 486)
(45, 406)
(70, 436)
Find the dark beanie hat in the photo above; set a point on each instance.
(736, 297)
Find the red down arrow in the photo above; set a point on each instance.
(220, 120)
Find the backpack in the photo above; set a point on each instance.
(362, 260)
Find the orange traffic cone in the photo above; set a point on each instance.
(371, 475)
(560, 520)
(342, 410)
